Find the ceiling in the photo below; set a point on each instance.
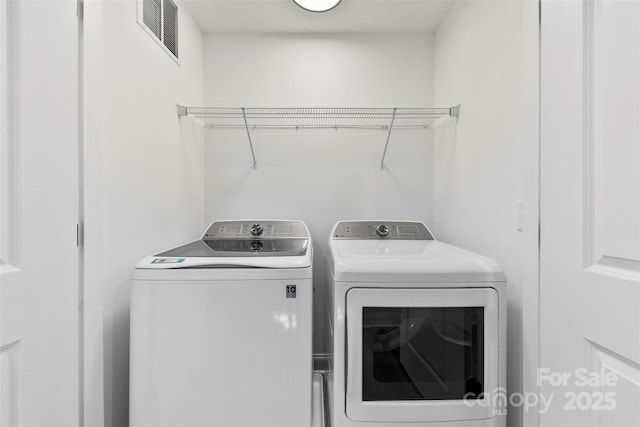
(350, 16)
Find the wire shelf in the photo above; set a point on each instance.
(318, 118)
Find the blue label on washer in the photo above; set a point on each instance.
(167, 260)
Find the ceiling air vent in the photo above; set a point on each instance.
(160, 19)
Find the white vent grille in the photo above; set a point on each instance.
(170, 38)
(160, 19)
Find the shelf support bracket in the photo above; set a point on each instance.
(384, 154)
(182, 110)
(454, 111)
(246, 126)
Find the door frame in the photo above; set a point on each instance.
(13, 16)
(530, 297)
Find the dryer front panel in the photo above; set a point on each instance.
(421, 354)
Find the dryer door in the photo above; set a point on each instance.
(422, 354)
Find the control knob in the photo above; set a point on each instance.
(256, 230)
(382, 230)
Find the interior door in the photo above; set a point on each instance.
(39, 347)
(590, 213)
(419, 355)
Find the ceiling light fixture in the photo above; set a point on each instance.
(317, 5)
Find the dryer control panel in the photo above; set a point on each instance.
(387, 230)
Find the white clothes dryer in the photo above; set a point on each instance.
(417, 330)
(221, 329)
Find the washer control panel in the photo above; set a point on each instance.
(241, 230)
(381, 230)
(255, 238)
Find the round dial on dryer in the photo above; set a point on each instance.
(256, 230)
(382, 230)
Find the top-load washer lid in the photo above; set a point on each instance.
(397, 252)
(240, 243)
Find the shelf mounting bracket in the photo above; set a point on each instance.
(246, 126)
(384, 154)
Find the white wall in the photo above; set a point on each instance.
(319, 176)
(144, 180)
(486, 60)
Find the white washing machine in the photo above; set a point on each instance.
(417, 330)
(221, 329)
